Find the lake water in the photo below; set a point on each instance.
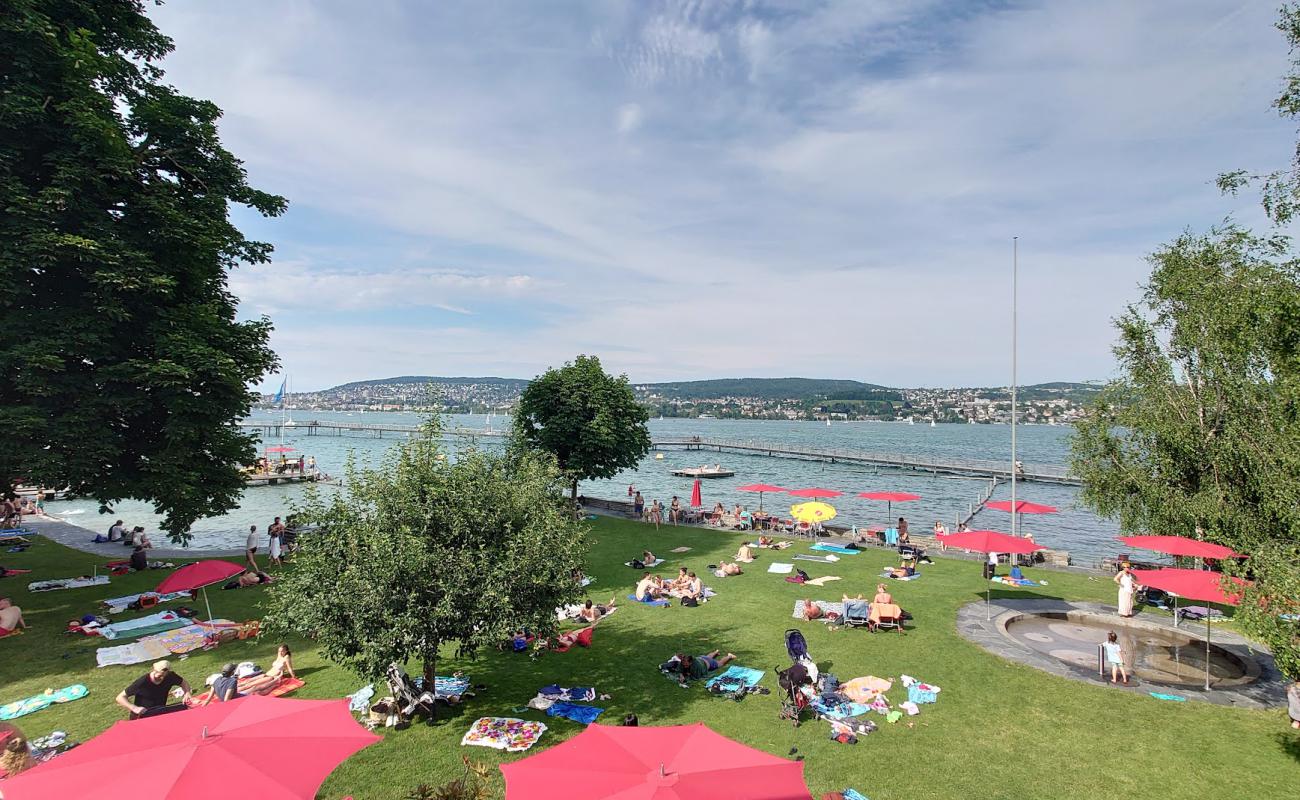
(1075, 529)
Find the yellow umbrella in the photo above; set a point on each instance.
(813, 512)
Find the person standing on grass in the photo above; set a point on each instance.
(1127, 589)
(276, 532)
(675, 510)
(1114, 657)
(1293, 704)
(250, 548)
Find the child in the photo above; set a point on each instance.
(1114, 657)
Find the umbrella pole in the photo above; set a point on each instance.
(206, 603)
(988, 597)
(1207, 651)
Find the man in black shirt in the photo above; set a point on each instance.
(139, 561)
(150, 692)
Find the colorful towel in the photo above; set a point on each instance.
(662, 603)
(119, 604)
(1007, 581)
(191, 637)
(7, 634)
(780, 568)
(135, 653)
(735, 677)
(892, 576)
(67, 583)
(21, 708)
(584, 714)
(834, 548)
(450, 687)
(571, 694)
(504, 733)
(144, 626)
(257, 684)
(830, 608)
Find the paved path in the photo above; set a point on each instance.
(78, 538)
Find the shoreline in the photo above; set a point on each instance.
(79, 538)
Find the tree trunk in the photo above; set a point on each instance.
(430, 677)
(573, 495)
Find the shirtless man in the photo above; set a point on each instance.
(648, 588)
(682, 580)
(594, 613)
(11, 617)
(729, 569)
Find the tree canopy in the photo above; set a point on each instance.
(125, 367)
(589, 420)
(425, 552)
(1200, 436)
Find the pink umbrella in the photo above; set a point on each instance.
(815, 493)
(280, 448)
(1180, 546)
(990, 542)
(199, 575)
(1022, 507)
(1194, 584)
(696, 501)
(760, 488)
(890, 498)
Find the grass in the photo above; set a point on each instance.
(998, 730)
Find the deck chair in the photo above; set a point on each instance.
(886, 615)
(857, 613)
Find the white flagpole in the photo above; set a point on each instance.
(1015, 253)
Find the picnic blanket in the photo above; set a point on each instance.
(119, 604)
(139, 652)
(892, 576)
(448, 687)
(584, 714)
(736, 677)
(865, 689)
(659, 602)
(191, 637)
(67, 583)
(780, 568)
(830, 608)
(654, 563)
(144, 626)
(819, 559)
(29, 705)
(503, 733)
(834, 548)
(1008, 581)
(257, 684)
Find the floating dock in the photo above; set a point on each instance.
(704, 472)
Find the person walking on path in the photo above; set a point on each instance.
(250, 548)
(1114, 657)
(1127, 589)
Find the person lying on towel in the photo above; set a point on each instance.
(247, 579)
(593, 613)
(811, 610)
(11, 617)
(698, 667)
(729, 569)
(225, 688)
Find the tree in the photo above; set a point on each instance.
(124, 367)
(424, 553)
(589, 420)
(1200, 435)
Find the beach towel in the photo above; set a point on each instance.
(67, 583)
(772, 546)
(1008, 581)
(1201, 612)
(119, 604)
(830, 608)
(866, 689)
(135, 653)
(780, 569)
(503, 733)
(660, 602)
(1173, 697)
(892, 576)
(819, 559)
(654, 563)
(584, 714)
(881, 611)
(822, 581)
(359, 700)
(581, 636)
(256, 684)
(680, 550)
(191, 637)
(7, 634)
(853, 794)
(448, 687)
(570, 694)
(918, 692)
(834, 548)
(736, 677)
(30, 705)
(8, 573)
(144, 626)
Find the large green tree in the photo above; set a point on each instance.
(425, 552)
(1200, 435)
(124, 366)
(588, 419)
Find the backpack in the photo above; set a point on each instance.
(690, 602)
(637, 563)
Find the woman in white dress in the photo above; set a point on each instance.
(1127, 588)
(275, 547)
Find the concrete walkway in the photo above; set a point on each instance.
(78, 538)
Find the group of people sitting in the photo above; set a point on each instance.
(686, 585)
(147, 695)
(14, 507)
(882, 600)
(117, 532)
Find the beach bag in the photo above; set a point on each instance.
(690, 602)
(637, 563)
(148, 600)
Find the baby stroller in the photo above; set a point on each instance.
(797, 680)
(410, 698)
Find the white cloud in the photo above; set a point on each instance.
(267, 288)
(630, 117)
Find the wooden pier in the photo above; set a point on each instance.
(974, 468)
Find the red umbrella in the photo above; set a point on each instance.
(815, 493)
(1022, 507)
(1193, 584)
(198, 575)
(695, 495)
(890, 498)
(270, 748)
(280, 448)
(990, 542)
(1180, 546)
(678, 762)
(760, 488)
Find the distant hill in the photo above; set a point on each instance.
(761, 388)
(407, 380)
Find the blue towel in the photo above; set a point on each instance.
(737, 676)
(1174, 697)
(584, 714)
(633, 598)
(360, 699)
(854, 794)
(832, 548)
(449, 687)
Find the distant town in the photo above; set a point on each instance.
(731, 398)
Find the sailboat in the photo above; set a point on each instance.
(828, 422)
(911, 420)
(931, 422)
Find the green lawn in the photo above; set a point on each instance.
(998, 730)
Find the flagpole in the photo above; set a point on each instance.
(1015, 256)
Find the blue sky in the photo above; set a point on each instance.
(706, 189)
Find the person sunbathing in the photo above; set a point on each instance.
(766, 541)
(247, 579)
(697, 667)
(716, 517)
(224, 688)
(745, 553)
(812, 611)
(729, 569)
(648, 557)
(283, 664)
(593, 613)
(11, 617)
(650, 587)
(882, 595)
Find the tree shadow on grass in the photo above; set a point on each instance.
(1289, 741)
(1018, 594)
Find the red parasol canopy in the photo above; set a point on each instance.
(990, 542)
(280, 448)
(1022, 507)
(1180, 546)
(695, 494)
(761, 487)
(678, 762)
(890, 497)
(814, 493)
(270, 748)
(197, 575)
(1191, 584)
